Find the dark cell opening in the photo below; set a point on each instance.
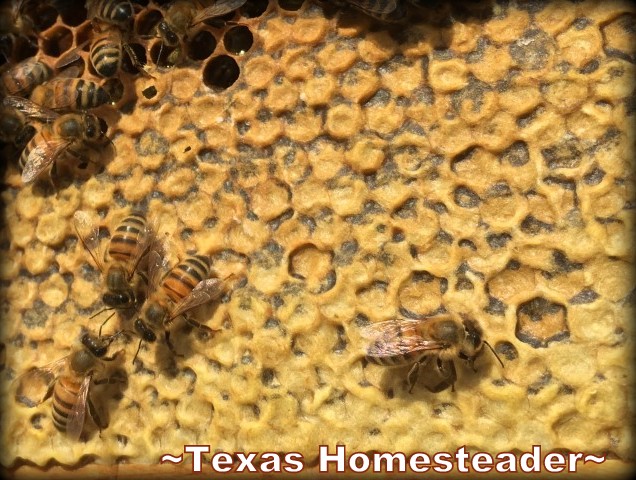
(115, 89)
(254, 9)
(202, 45)
(103, 126)
(73, 13)
(57, 42)
(139, 52)
(45, 17)
(146, 21)
(291, 5)
(143, 3)
(221, 72)
(150, 92)
(238, 40)
(164, 56)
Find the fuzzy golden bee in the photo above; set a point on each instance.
(182, 15)
(123, 281)
(23, 77)
(441, 339)
(79, 135)
(69, 381)
(174, 293)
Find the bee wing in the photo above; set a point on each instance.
(141, 249)
(218, 9)
(375, 6)
(77, 416)
(205, 291)
(34, 385)
(396, 337)
(41, 157)
(70, 56)
(88, 234)
(157, 266)
(30, 109)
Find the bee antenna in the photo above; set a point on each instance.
(494, 353)
(137, 352)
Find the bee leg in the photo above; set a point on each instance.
(104, 322)
(195, 324)
(137, 352)
(170, 345)
(447, 371)
(135, 60)
(96, 417)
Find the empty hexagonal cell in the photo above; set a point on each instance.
(291, 5)
(163, 55)
(57, 41)
(221, 72)
(313, 265)
(540, 321)
(72, 13)
(139, 52)
(421, 295)
(201, 45)
(238, 40)
(45, 16)
(115, 89)
(254, 9)
(146, 21)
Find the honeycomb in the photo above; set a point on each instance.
(477, 159)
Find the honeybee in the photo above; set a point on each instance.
(14, 129)
(182, 15)
(14, 20)
(69, 380)
(107, 54)
(120, 263)
(115, 12)
(391, 11)
(23, 77)
(182, 288)
(69, 94)
(443, 338)
(76, 134)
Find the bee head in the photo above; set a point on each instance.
(472, 344)
(95, 345)
(144, 332)
(166, 33)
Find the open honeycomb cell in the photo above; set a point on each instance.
(475, 160)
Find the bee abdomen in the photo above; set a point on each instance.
(106, 57)
(185, 276)
(65, 395)
(127, 236)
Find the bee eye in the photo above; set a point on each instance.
(90, 131)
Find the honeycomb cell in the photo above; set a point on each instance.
(202, 45)
(291, 5)
(71, 15)
(57, 41)
(254, 8)
(238, 40)
(344, 121)
(163, 55)
(421, 295)
(140, 52)
(617, 38)
(221, 72)
(533, 50)
(46, 15)
(146, 21)
(312, 265)
(540, 321)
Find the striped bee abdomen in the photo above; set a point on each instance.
(128, 234)
(65, 395)
(106, 56)
(185, 276)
